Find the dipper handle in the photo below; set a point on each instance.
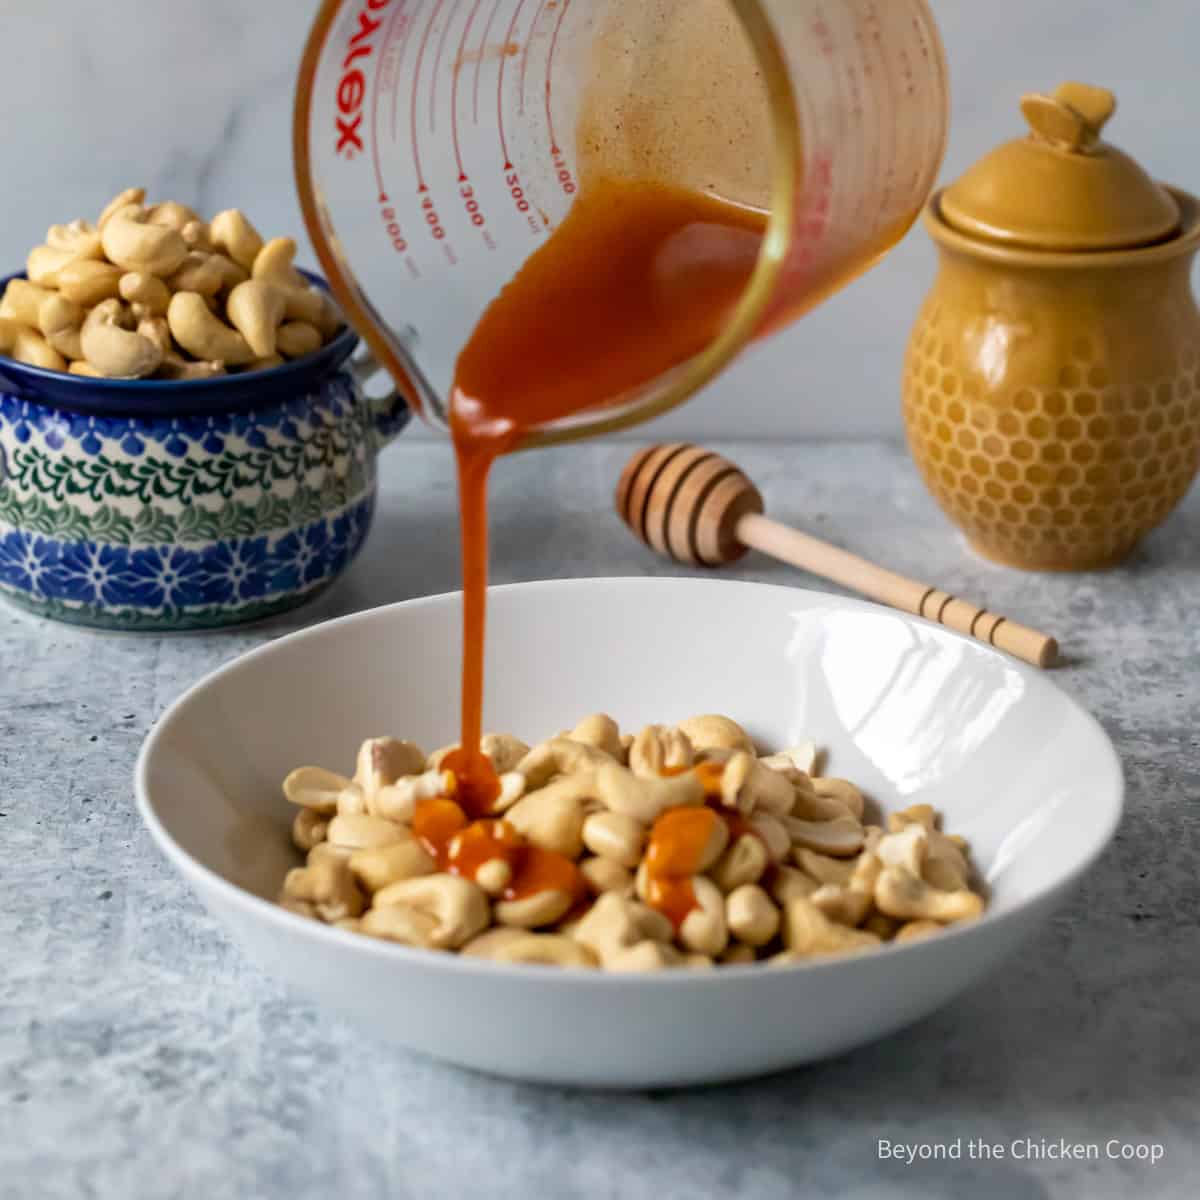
(699, 508)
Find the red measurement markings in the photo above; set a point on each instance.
(416, 144)
(513, 181)
(437, 70)
(487, 32)
(562, 12)
(500, 84)
(528, 49)
(562, 172)
(391, 225)
(386, 46)
(458, 65)
(408, 32)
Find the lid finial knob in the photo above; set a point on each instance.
(1073, 118)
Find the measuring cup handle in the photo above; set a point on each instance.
(390, 413)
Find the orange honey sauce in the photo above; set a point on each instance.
(636, 280)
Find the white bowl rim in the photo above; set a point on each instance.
(197, 873)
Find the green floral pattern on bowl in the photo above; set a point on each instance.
(187, 522)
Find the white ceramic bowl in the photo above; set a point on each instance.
(907, 710)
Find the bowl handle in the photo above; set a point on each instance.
(390, 412)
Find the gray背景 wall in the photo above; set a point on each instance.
(194, 101)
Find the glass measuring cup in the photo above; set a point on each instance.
(439, 142)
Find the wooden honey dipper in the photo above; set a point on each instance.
(697, 507)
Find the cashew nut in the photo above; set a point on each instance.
(615, 836)
(255, 309)
(841, 837)
(233, 234)
(147, 290)
(603, 875)
(750, 915)
(842, 790)
(615, 923)
(45, 264)
(379, 867)
(801, 758)
(544, 950)
(807, 930)
(130, 197)
(532, 912)
(553, 817)
(459, 906)
(201, 273)
(30, 347)
(811, 807)
(382, 761)
(822, 868)
(559, 756)
(744, 862)
(658, 748)
(773, 835)
(155, 329)
(400, 923)
(364, 832)
(906, 849)
(900, 893)
(83, 367)
(273, 263)
(295, 339)
(704, 929)
(620, 790)
(489, 944)
(323, 852)
(80, 238)
(601, 731)
(842, 904)
(328, 887)
(61, 322)
(23, 302)
(90, 283)
(309, 829)
(747, 785)
(645, 956)
(330, 318)
(787, 882)
(914, 931)
(176, 367)
(714, 732)
(919, 814)
(195, 233)
(352, 802)
(202, 334)
(9, 331)
(133, 245)
(111, 347)
(171, 214)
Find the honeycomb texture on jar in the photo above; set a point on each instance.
(1068, 474)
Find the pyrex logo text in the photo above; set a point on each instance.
(352, 89)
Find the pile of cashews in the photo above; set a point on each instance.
(157, 293)
(805, 876)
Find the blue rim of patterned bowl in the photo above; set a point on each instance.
(176, 398)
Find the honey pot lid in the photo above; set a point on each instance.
(1062, 188)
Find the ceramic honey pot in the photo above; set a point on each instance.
(1052, 382)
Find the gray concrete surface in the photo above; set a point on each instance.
(141, 1057)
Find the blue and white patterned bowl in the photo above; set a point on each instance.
(153, 505)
